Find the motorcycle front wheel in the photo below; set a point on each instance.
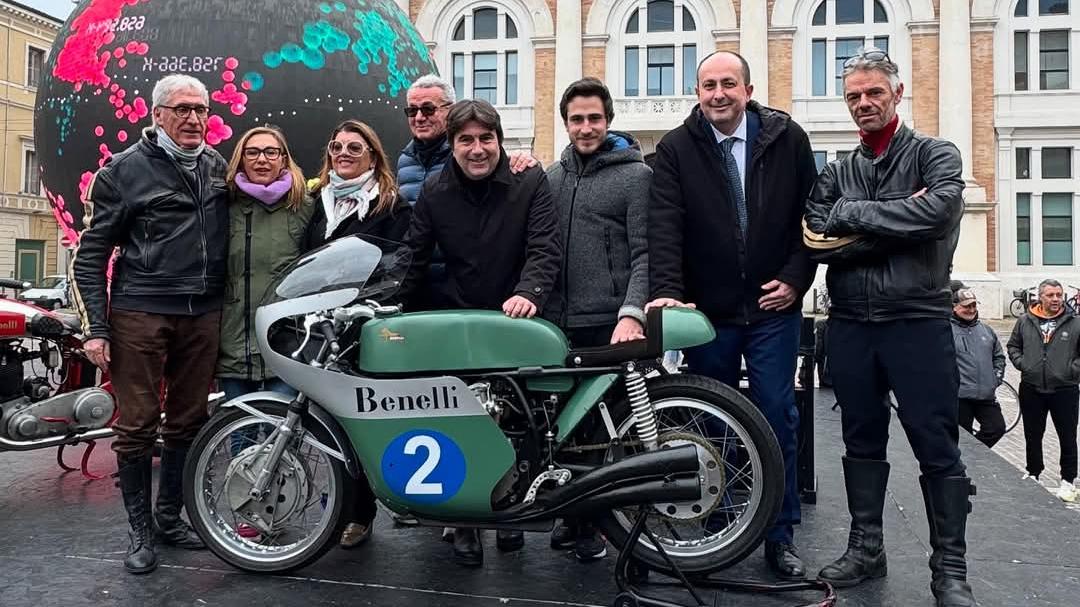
(742, 472)
(302, 515)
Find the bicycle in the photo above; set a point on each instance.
(1022, 300)
(1073, 303)
(1009, 400)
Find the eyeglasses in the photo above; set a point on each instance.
(353, 148)
(428, 109)
(270, 153)
(183, 111)
(872, 54)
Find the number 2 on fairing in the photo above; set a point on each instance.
(417, 484)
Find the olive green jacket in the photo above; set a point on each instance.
(262, 242)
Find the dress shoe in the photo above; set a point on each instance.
(784, 561)
(509, 540)
(354, 535)
(468, 551)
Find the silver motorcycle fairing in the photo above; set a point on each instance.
(343, 395)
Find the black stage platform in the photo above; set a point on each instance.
(62, 540)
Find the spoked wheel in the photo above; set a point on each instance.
(1009, 401)
(1017, 308)
(742, 473)
(301, 516)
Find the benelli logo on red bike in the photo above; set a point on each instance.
(440, 398)
(12, 325)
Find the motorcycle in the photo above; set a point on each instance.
(472, 419)
(60, 403)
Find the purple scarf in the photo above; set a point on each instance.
(269, 195)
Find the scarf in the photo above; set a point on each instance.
(269, 195)
(427, 150)
(878, 141)
(188, 159)
(344, 197)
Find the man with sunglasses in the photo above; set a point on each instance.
(163, 202)
(887, 219)
(981, 363)
(426, 103)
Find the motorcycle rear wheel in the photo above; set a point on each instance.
(312, 481)
(751, 490)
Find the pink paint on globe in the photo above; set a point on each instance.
(122, 136)
(99, 130)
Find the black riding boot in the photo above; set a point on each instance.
(947, 508)
(865, 480)
(135, 481)
(468, 551)
(171, 529)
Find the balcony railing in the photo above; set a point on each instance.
(652, 113)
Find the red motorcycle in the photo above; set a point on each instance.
(50, 395)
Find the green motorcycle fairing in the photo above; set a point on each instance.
(457, 340)
(685, 328)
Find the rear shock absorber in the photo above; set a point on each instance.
(644, 414)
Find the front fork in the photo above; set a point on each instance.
(280, 439)
(641, 407)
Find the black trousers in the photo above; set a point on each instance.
(1062, 406)
(988, 414)
(915, 359)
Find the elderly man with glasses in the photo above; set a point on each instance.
(163, 203)
(887, 219)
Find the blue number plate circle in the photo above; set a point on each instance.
(424, 466)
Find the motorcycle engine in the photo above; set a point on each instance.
(500, 400)
(11, 372)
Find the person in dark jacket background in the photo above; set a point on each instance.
(981, 363)
(1045, 347)
(356, 193)
(894, 206)
(499, 233)
(601, 188)
(163, 202)
(727, 198)
(426, 104)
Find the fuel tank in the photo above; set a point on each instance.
(457, 340)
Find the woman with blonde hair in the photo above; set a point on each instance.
(357, 192)
(269, 211)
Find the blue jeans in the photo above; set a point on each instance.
(770, 348)
(234, 388)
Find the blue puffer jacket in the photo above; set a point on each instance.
(414, 168)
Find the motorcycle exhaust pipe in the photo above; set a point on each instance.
(633, 470)
(7, 444)
(664, 491)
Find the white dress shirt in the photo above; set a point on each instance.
(738, 149)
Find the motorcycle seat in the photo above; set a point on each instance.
(600, 356)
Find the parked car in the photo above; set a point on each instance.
(51, 293)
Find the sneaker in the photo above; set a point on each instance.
(589, 545)
(1030, 477)
(1067, 492)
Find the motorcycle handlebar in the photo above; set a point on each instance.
(9, 283)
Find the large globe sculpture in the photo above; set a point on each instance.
(303, 65)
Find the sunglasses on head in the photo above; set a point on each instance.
(428, 109)
(868, 55)
(353, 148)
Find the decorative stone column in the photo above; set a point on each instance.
(754, 45)
(567, 62)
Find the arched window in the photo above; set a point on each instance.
(838, 29)
(1042, 53)
(660, 49)
(484, 56)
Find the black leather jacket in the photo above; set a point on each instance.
(899, 267)
(173, 240)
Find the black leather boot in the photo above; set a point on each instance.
(864, 559)
(135, 482)
(468, 551)
(171, 529)
(947, 508)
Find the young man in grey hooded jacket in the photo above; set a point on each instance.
(601, 187)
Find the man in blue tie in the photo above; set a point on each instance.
(728, 193)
